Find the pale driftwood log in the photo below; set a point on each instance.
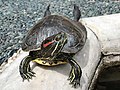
(55, 78)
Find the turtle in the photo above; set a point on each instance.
(54, 40)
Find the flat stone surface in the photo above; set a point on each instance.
(107, 29)
(54, 78)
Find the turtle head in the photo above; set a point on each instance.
(54, 44)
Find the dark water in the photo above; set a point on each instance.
(109, 79)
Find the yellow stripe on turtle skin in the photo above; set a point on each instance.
(47, 62)
(54, 49)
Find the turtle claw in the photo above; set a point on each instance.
(27, 75)
(74, 76)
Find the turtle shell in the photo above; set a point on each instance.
(53, 24)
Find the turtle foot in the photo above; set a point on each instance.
(27, 74)
(74, 76)
(25, 71)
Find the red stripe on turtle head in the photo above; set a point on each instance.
(47, 44)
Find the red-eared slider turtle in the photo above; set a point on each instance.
(54, 40)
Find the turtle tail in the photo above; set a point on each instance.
(47, 12)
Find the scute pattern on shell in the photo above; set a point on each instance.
(53, 24)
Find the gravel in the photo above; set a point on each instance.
(18, 16)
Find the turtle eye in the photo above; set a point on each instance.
(58, 38)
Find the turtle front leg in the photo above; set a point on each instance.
(25, 70)
(75, 73)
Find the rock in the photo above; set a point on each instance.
(54, 78)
